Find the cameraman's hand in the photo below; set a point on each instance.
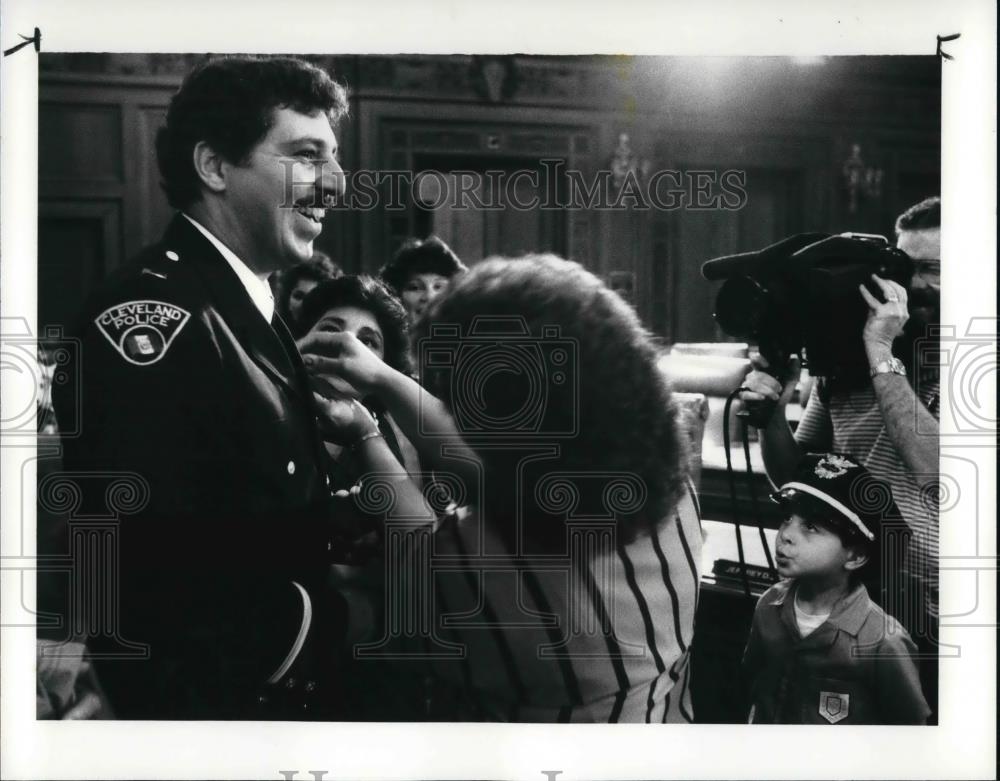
(885, 320)
(761, 386)
(340, 365)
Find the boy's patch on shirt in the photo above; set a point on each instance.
(834, 706)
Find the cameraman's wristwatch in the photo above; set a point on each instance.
(891, 366)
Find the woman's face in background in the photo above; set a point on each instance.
(360, 322)
(302, 288)
(419, 291)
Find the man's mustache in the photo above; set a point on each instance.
(925, 316)
(318, 199)
(925, 298)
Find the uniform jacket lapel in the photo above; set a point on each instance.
(230, 299)
(302, 377)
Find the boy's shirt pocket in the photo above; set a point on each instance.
(836, 701)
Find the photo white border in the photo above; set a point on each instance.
(963, 747)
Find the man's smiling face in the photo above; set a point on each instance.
(295, 163)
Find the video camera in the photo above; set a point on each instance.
(801, 294)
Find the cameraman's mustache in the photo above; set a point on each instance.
(925, 298)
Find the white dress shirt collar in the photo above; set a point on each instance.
(256, 285)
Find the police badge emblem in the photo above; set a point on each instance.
(834, 707)
(142, 331)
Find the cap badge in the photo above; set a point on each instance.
(142, 331)
(832, 466)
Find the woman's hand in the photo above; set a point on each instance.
(340, 365)
(344, 421)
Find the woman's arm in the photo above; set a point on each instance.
(348, 423)
(341, 365)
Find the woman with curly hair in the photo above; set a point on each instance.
(572, 579)
(419, 272)
(324, 307)
(366, 308)
(365, 445)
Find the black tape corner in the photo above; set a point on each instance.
(944, 39)
(35, 39)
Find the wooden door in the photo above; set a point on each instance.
(484, 146)
(492, 216)
(98, 185)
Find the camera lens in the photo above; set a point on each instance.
(740, 306)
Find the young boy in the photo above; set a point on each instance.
(820, 651)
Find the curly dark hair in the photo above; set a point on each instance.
(371, 295)
(416, 256)
(319, 268)
(229, 102)
(921, 216)
(616, 404)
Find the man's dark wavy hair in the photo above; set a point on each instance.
(416, 256)
(373, 296)
(229, 102)
(921, 216)
(625, 421)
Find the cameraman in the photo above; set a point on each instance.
(891, 424)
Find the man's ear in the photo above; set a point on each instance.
(857, 557)
(210, 167)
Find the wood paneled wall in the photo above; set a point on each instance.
(789, 128)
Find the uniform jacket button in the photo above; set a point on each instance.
(291, 467)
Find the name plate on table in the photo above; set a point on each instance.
(731, 571)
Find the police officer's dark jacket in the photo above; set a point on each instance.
(184, 384)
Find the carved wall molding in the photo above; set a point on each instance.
(886, 90)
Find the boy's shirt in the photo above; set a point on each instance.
(857, 668)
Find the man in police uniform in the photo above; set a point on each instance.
(191, 382)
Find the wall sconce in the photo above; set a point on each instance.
(625, 162)
(863, 181)
(495, 78)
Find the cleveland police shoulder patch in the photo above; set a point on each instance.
(141, 331)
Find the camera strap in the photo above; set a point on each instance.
(731, 476)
